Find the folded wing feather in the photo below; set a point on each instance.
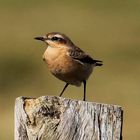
(77, 54)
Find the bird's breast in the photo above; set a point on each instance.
(56, 59)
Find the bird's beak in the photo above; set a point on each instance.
(42, 38)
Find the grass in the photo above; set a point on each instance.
(107, 30)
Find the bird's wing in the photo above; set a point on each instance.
(77, 54)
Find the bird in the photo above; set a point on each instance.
(66, 61)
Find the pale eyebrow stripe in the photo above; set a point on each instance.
(57, 35)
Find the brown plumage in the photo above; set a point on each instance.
(66, 61)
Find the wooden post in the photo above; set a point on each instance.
(55, 118)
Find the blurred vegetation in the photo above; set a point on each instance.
(108, 30)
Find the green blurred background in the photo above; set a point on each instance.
(108, 30)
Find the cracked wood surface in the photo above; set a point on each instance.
(55, 118)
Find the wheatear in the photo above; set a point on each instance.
(66, 61)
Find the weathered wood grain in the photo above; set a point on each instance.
(55, 118)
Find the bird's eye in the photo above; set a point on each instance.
(58, 39)
(55, 38)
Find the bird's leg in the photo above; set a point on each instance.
(64, 89)
(84, 82)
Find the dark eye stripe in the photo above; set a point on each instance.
(54, 38)
(58, 39)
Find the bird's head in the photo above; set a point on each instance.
(56, 39)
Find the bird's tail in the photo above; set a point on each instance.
(99, 63)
